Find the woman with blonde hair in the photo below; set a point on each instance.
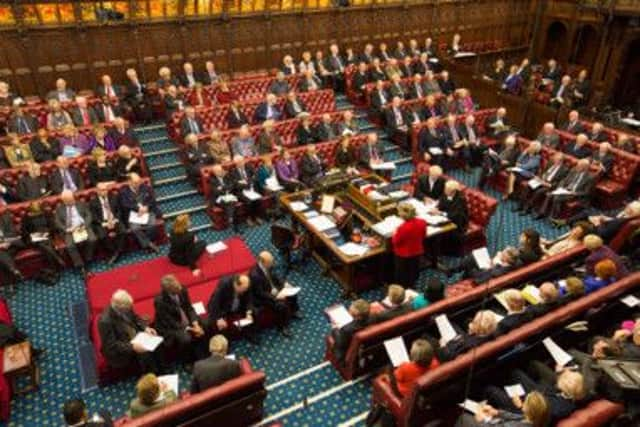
(185, 248)
(534, 413)
(407, 243)
(151, 395)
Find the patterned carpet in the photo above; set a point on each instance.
(322, 397)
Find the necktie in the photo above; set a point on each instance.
(85, 117)
(560, 91)
(193, 125)
(419, 90)
(69, 214)
(108, 114)
(576, 182)
(23, 125)
(68, 181)
(184, 320)
(471, 133)
(110, 91)
(373, 153)
(398, 116)
(243, 174)
(106, 208)
(383, 100)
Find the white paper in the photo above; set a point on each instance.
(230, 356)
(135, 218)
(515, 390)
(353, 249)
(397, 351)
(216, 247)
(436, 151)
(434, 219)
(198, 307)
(39, 237)
(447, 333)
(321, 223)
(298, 206)
(388, 226)
(432, 230)
(482, 258)
(399, 194)
(243, 322)
(328, 202)
(630, 300)
(409, 294)
(339, 315)
(471, 406)
(559, 355)
(388, 166)
(500, 298)
(171, 382)
(534, 183)
(464, 54)
(148, 341)
(561, 192)
(227, 198)
(288, 292)
(377, 196)
(272, 184)
(516, 169)
(434, 60)
(251, 194)
(311, 214)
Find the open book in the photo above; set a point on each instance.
(482, 258)
(216, 247)
(560, 356)
(445, 329)
(338, 315)
(288, 291)
(397, 351)
(148, 341)
(170, 382)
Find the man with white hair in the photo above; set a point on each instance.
(61, 92)
(243, 143)
(549, 137)
(288, 67)
(516, 310)
(216, 369)
(597, 133)
(430, 186)
(607, 226)
(573, 125)
(498, 124)
(173, 101)
(82, 114)
(191, 123)
(579, 147)
(267, 109)
(280, 86)
(106, 88)
(336, 64)
(454, 204)
(603, 158)
(189, 78)
(242, 177)
(118, 325)
(140, 211)
(232, 300)
(136, 96)
(72, 219)
(562, 94)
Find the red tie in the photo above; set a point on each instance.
(110, 91)
(85, 117)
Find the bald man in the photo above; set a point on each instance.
(72, 219)
(265, 287)
(232, 300)
(136, 201)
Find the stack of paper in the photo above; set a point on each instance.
(464, 54)
(170, 382)
(39, 237)
(399, 194)
(338, 315)
(353, 249)
(216, 247)
(377, 196)
(630, 300)
(321, 223)
(447, 333)
(198, 307)
(298, 206)
(387, 166)
(288, 291)
(135, 218)
(560, 356)
(272, 184)
(243, 322)
(227, 198)
(397, 351)
(482, 258)
(515, 390)
(471, 406)
(148, 341)
(434, 219)
(251, 194)
(534, 183)
(388, 226)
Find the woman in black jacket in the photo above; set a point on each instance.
(37, 234)
(101, 169)
(185, 248)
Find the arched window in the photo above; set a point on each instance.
(555, 46)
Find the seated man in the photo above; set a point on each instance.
(217, 148)
(549, 137)
(395, 121)
(538, 187)
(432, 145)
(325, 130)
(576, 185)
(280, 86)
(294, 106)
(215, 369)
(311, 167)
(454, 204)
(269, 140)
(471, 134)
(603, 159)
(597, 133)
(360, 78)
(481, 329)
(305, 134)
(82, 114)
(379, 97)
(455, 140)
(549, 300)
(371, 153)
(267, 110)
(72, 219)
(107, 111)
(233, 300)
(606, 226)
(288, 173)
(44, 148)
(493, 162)
(105, 215)
(140, 211)
(10, 244)
(266, 288)
(122, 134)
(349, 125)
(517, 314)
(359, 310)
(221, 194)
(65, 178)
(242, 178)
(396, 88)
(498, 126)
(416, 90)
(118, 325)
(243, 144)
(75, 414)
(190, 122)
(126, 163)
(563, 93)
(173, 102)
(235, 116)
(33, 185)
(430, 186)
(20, 122)
(446, 84)
(61, 92)
(395, 306)
(176, 320)
(573, 125)
(502, 262)
(579, 148)
(197, 156)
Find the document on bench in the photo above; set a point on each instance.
(198, 307)
(388, 226)
(338, 315)
(216, 247)
(299, 206)
(353, 249)
(251, 194)
(243, 322)
(288, 291)
(482, 258)
(384, 166)
(534, 183)
(515, 390)
(136, 218)
(409, 295)
(227, 198)
(447, 333)
(499, 296)
(328, 203)
(464, 54)
(310, 214)
(562, 192)
(397, 351)
(630, 301)
(39, 237)
(170, 382)
(148, 341)
(321, 223)
(272, 184)
(471, 406)
(434, 219)
(531, 294)
(436, 151)
(559, 355)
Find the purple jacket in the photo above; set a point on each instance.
(605, 252)
(109, 144)
(80, 142)
(287, 172)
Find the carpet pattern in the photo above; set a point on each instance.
(44, 314)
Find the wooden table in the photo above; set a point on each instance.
(18, 362)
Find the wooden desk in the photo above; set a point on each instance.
(18, 361)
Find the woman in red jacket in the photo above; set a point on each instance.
(421, 360)
(408, 246)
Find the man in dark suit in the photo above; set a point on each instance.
(108, 89)
(498, 125)
(573, 125)
(221, 193)
(336, 64)
(553, 73)
(242, 181)
(562, 95)
(371, 152)
(266, 288)
(446, 84)
(309, 82)
(421, 66)
(107, 225)
(44, 148)
(431, 144)
(191, 123)
(359, 310)
(406, 68)
(173, 102)
(549, 137)
(118, 325)
(21, 123)
(430, 185)
(136, 97)
(76, 415)
(554, 172)
(232, 300)
(64, 177)
(311, 168)
(107, 111)
(72, 219)
(279, 86)
(456, 141)
(379, 97)
(267, 110)
(454, 204)
(235, 117)
(197, 156)
(394, 304)
(325, 130)
(140, 211)
(471, 133)
(61, 93)
(603, 158)
(216, 369)
(189, 78)
(177, 321)
(395, 123)
(360, 78)
(305, 134)
(367, 54)
(413, 114)
(396, 88)
(577, 185)
(82, 114)
(579, 148)
(33, 185)
(597, 133)
(123, 134)
(10, 244)
(416, 89)
(210, 76)
(294, 106)
(493, 163)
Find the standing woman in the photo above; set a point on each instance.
(408, 247)
(185, 248)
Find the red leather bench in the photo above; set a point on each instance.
(216, 117)
(5, 388)
(366, 353)
(239, 402)
(250, 87)
(597, 413)
(416, 409)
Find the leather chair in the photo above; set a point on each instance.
(5, 388)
